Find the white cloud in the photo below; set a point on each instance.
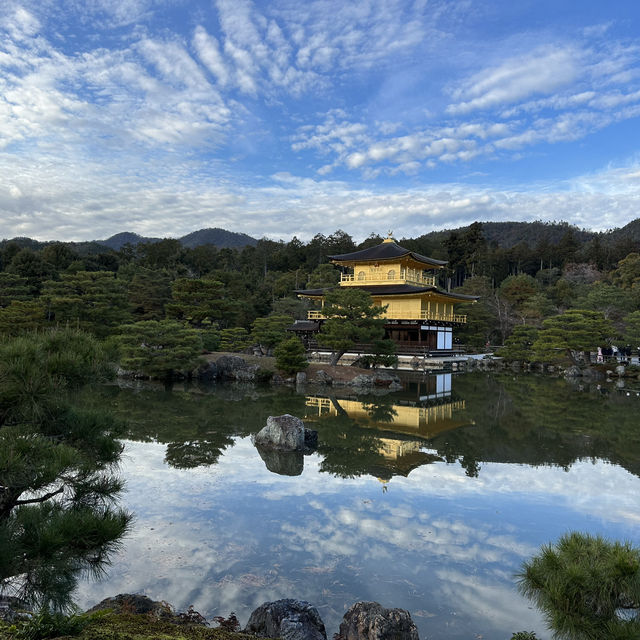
(541, 71)
(209, 52)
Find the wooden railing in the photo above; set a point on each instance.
(424, 315)
(412, 277)
(447, 317)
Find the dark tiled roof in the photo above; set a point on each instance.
(304, 325)
(387, 251)
(391, 290)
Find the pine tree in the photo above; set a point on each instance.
(58, 491)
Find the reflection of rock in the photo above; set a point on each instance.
(285, 433)
(287, 619)
(284, 463)
(371, 621)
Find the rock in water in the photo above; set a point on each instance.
(285, 433)
(371, 621)
(288, 619)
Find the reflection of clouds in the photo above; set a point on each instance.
(231, 536)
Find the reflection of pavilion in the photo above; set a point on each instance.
(423, 421)
(403, 425)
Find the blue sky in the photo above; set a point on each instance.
(287, 118)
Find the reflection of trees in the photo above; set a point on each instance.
(348, 450)
(381, 410)
(196, 453)
(526, 419)
(538, 420)
(197, 423)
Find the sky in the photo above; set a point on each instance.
(283, 118)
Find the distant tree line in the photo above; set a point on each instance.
(231, 298)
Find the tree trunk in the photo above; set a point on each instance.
(335, 357)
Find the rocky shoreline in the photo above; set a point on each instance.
(287, 619)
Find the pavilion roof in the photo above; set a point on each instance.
(387, 250)
(391, 290)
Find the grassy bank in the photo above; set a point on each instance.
(122, 626)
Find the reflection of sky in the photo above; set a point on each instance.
(438, 543)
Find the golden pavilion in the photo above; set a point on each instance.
(418, 313)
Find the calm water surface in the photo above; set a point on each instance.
(427, 499)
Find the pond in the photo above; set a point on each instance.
(428, 499)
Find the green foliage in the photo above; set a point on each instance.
(293, 307)
(148, 292)
(196, 301)
(50, 624)
(160, 348)
(581, 582)
(352, 318)
(324, 275)
(612, 301)
(291, 356)
(383, 353)
(632, 328)
(269, 332)
(94, 301)
(21, 317)
(628, 272)
(576, 330)
(524, 635)
(30, 265)
(483, 316)
(14, 288)
(234, 339)
(518, 345)
(57, 506)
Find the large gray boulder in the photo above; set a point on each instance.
(322, 377)
(286, 433)
(288, 619)
(371, 621)
(229, 366)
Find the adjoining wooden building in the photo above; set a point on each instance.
(418, 313)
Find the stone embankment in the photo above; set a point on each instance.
(587, 372)
(238, 369)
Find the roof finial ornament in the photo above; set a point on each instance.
(389, 237)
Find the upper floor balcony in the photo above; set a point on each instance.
(404, 276)
(423, 315)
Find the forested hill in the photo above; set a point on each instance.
(217, 237)
(510, 234)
